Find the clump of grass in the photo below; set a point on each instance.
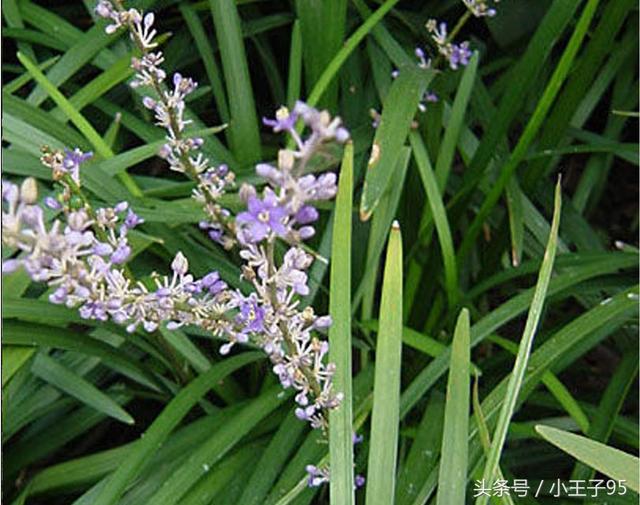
(490, 276)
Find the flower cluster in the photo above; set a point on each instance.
(82, 254)
(83, 259)
(318, 475)
(456, 54)
(168, 106)
(480, 8)
(284, 211)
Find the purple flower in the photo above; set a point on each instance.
(263, 216)
(52, 203)
(317, 476)
(307, 214)
(9, 266)
(357, 438)
(460, 54)
(93, 310)
(359, 481)
(213, 283)
(251, 316)
(284, 121)
(121, 254)
(132, 220)
(72, 161)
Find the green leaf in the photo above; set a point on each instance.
(398, 110)
(165, 423)
(348, 47)
(453, 465)
(74, 385)
(294, 81)
(455, 122)
(76, 118)
(341, 419)
(213, 449)
(273, 460)
(383, 452)
(18, 333)
(520, 366)
(439, 213)
(243, 128)
(14, 357)
(610, 461)
(533, 126)
(208, 59)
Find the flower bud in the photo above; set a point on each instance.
(180, 264)
(29, 191)
(285, 159)
(246, 192)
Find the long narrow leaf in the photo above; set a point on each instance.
(520, 367)
(381, 475)
(453, 465)
(340, 420)
(610, 461)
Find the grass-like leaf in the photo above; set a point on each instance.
(520, 367)
(243, 129)
(608, 460)
(546, 100)
(381, 474)
(214, 448)
(341, 419)
(49, 370)
(399, 107)
(165, 423)
(439, 213)
(77, 119)
(453, 465)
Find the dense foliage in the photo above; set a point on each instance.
(320, 252)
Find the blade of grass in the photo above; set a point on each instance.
(272, 462)
(399, 107)
(439, 217)
(520, 366)
(323, 27)
(610, 461)
(522, 79)
(25, 78)
(554, 385)
(212, 450)
(383, 451)
(341, 419)
(294, 81)
(455, 122)
(82, 52)
(484, 436)
(14, 357)
(533, 126)
(164, 424)
(78, 120)
(559, 351)
(453, 464)
(19, 333)
(380, 226)
(348, 47)
(611, 19)
(424, 451)
(208, 59)
(71, 383)
(243, 126)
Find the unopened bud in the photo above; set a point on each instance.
(29, 191)
(180, 264)
(285, 159)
